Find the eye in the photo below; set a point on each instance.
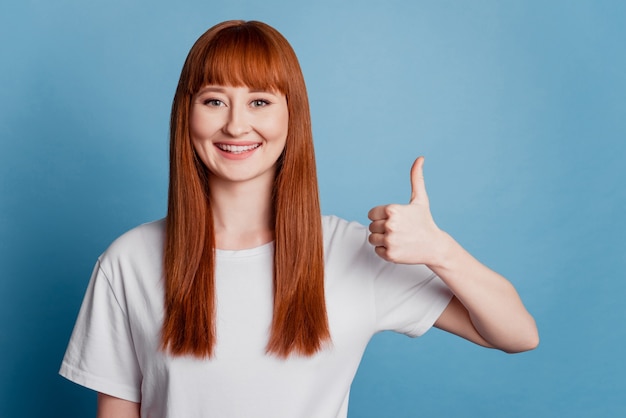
(213, 102)
(259, 103)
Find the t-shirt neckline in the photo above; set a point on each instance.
(246, 252)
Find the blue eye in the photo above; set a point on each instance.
(213, 102)
(259, 103)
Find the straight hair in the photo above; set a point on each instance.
(252, 54)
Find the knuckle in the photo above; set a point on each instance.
(391, 210)
(388, 242)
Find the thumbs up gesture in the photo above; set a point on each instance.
(407, 234)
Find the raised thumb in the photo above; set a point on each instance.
(418, 186)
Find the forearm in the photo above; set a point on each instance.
(495, 309)
(486, 309)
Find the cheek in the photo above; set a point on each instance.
(202, 125)
(196, 127)
(273, 130)
(199, 152)
(196, 141)
(197, 133)
(281, 125)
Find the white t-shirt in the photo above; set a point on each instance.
(114, 348)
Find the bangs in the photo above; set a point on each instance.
(238, 56)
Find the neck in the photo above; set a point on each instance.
(242, 213)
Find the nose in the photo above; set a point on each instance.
(237, 123)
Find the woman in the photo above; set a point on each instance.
(245, 301)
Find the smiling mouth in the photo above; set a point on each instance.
(237, 149)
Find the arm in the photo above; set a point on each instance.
(486, 308)
(111, 407)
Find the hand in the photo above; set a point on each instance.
(407, 234)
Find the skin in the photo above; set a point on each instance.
(111, 407)
(241, 183)
(485, 308)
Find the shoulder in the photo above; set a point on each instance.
(144, 242)
(346, 241)
(336, 228)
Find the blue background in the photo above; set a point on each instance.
(519, 107)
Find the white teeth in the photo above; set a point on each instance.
(237, 149)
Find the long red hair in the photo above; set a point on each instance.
(252, 54)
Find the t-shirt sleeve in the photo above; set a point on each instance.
(408, 298)
(101, 354)
(404, 298)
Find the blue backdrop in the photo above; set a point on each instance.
(520, 110)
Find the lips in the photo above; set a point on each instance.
(237, 149)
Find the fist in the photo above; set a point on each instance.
(407, 234)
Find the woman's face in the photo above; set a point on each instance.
(239, 133)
